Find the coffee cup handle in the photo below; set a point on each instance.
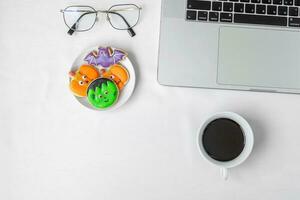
(224, 173)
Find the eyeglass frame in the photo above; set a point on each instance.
(107, 12)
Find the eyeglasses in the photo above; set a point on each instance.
(120, 17)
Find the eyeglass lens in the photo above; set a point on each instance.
(83, 16)
(123, 17)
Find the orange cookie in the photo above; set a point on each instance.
(81, 79)
(118, 74)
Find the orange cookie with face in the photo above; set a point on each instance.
(118, 74)
(81, 79)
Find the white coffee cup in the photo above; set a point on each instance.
(248, 142)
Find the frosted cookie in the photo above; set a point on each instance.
(81, 79)
(102, 93)
(118, 74)
(105, 57)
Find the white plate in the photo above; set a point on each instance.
(125, 93)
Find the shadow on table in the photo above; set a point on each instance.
(136, 67)
(260, 143)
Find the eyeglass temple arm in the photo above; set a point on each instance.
(74, 27)
(130, 30)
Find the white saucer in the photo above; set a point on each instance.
(125, 93)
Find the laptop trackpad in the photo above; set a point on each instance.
(259, 58)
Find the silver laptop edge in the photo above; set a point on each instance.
(226, 55)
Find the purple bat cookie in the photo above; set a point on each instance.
(105, 57)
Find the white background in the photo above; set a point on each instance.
(52, 148)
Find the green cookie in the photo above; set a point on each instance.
(102, 93)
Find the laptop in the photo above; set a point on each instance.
(231, 44)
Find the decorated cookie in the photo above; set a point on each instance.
(102, 93)
(105, 57)
(81, 79)
(118, 74)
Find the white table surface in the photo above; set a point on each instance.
(52, 148)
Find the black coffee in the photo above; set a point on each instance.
(223, 139)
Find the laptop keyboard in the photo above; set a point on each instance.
(284, 13)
